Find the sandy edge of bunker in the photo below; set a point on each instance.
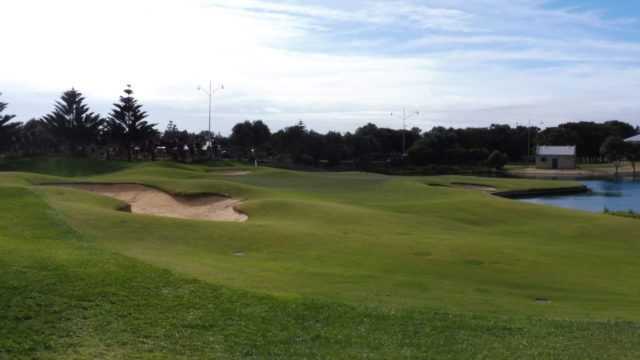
(474, 186)
(147, 200)
(229, 172)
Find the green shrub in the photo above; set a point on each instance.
(497, 160)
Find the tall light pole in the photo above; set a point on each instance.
(528, 142)
(529, 139)
(528, 161)
(404, 120)
(210, 93)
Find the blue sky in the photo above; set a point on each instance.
(335, 65)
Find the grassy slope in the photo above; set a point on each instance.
(326, 236)
(62, 166)
(61, 296)
(381, 240)
(603, 165)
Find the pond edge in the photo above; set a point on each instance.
(511, 194)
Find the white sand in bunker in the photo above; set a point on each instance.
(230, 172)
(147, 200)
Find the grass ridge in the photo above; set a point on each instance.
(412, 272)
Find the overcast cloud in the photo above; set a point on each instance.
(336, 66)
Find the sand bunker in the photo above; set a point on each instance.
(147, 200)
(230, 172)
(475, 186)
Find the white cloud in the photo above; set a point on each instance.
(335, 65)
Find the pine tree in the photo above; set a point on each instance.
(6, 129)
(171, 127)
(72, 124)
(126, 124)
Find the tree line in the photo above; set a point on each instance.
(491, 146)
(71, 128)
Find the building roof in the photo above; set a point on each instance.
(556, 150)
(633, 139)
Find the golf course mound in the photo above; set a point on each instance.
(230, 172)
(332, 265)
(147, 200)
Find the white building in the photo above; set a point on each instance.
(555, 157)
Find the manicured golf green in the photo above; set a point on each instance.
(329, 265)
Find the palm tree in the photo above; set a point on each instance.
(6, 129)
(72, 124)
(126, 124)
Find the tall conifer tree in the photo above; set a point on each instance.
(6, 128)
(126, 124)
(71, 123)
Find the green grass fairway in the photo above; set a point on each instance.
(335, 265)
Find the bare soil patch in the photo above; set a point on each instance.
(230, 172)
(147, 200)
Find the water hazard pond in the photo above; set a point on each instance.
(620, 194)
